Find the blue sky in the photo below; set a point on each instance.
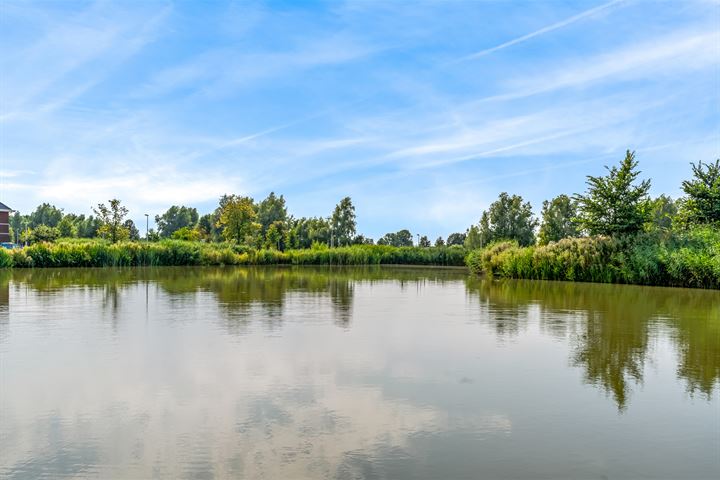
(422, 112)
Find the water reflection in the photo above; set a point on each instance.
(610, 327)
(4, 303)
(350, 373)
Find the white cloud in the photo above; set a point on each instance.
(140, 188)
(75, 54)
(555, 26)
(676, 53)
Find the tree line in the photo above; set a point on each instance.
(614, 204)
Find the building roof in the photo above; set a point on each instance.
(4, 208)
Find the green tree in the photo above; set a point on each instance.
(133, 232)
(663, 211)
(702, 204)
(19, 223)
(112, 218)
(403, 238)
(238, 219)
(206, 226)
(87, 227)
(558, 220)
(66, 227)
(152, 236)
(304, 232)
(175, 218)
(439, 242)
(362, 240)
(508, 218)
(46, 214)
(424, 242)
(276, 235)
(187, 233)
(473, 239)
(613, 205)
(343, 222)
(271, 210)
(43, 233)
(210, 223)
(456, 239)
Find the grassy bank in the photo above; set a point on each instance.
(98, 253)
(688, 259)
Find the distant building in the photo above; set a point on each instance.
(5, 223)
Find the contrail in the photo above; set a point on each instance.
(240, 140)
(549, 28)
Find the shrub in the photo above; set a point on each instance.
(100, 253)
(6, 258)
(690, 259)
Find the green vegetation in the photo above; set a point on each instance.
(508, 217)
(633, 239)
(174, 219)
(558, 217)
(614, 232)
(612, 204)
(112, 221)
(687, 259)
(402, 238)
(343, 223)
(100, 253)
(238, 219)
(702, 204)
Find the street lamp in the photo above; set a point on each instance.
(147, 229)
(418, 237)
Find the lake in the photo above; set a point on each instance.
(353, 373)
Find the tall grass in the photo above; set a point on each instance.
(685, 259)
(177, 252)
(688, 259)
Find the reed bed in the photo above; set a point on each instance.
(681, 259)
(177, 252)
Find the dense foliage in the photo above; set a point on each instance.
(112, 221)
(402, 238)
(343, 223)
(175, 218)
(613, 204)
(508, 218)
(702, 204)
(558, 220)
(99, 253)
(689, 259)
(613, 232)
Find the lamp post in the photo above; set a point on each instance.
(418, 237)
(147, 229)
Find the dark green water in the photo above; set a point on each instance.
(397, 373)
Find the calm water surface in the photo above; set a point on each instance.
(397, 373)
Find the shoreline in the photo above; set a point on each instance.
(689, 259)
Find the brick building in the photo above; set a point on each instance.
(5, 223)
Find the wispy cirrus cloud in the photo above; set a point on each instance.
(76, 52)
(542, 31)
(179, 103)
(680, 52)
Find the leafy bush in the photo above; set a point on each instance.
(689, 259)
(6, 258)
(102, 253)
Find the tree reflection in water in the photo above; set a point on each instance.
(239, 292)
(610, 327)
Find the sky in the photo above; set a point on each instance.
(421, 112)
